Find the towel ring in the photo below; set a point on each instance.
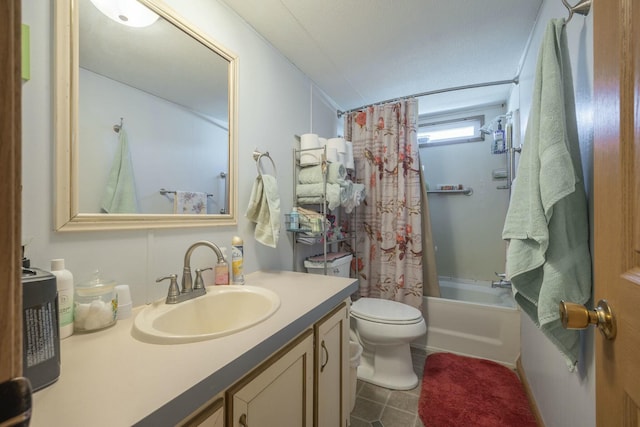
(257, 156)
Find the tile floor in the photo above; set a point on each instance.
(381, 407)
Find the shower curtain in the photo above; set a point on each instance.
(388, 224)
(431, 284)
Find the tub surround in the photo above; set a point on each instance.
(109, 378)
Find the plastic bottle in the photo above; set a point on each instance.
(294, 218)
(498, 139)
(222, 270)
(237, 260)
(64, 283)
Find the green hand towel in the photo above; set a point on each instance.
(264, 210)
(548, 257)
(120, 192)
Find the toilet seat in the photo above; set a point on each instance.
(385, 311)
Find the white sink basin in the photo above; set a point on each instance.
(224, 310)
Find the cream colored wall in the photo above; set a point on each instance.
(564, 398)
(275, 103)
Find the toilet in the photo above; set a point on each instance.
(385, 329)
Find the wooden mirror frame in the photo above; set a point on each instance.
(66, 85)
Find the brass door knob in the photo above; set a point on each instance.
(577, 316)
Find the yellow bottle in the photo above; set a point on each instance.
(237, 261)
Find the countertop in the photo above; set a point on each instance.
(109, 378)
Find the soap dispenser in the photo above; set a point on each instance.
(222, 270)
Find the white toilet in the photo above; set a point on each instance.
(385, 329)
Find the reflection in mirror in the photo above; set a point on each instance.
(155, 111)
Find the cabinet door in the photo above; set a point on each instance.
(279, 392)
(332, 368)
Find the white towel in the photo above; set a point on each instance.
(313, 193)
(120, 192)
(548, 256)
(264, 210)
(355, 197)
(190, 202)
(336, 174)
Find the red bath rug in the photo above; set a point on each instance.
(464, 391)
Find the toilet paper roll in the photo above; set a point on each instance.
(338, 144)
(342, 145)
(342, 158)
(332, 154)
(311, 157)
(309, 140)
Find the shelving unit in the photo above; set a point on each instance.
(318, 232)
(467, 191)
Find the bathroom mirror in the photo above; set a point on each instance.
(170, 91)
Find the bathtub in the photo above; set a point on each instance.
(472, 319)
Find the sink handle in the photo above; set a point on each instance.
(199, 282)
(174, 290)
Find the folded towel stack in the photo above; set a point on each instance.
(313, 194)
(336, 174)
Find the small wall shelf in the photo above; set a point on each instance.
(466, 191)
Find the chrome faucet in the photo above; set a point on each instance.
(502, 283)
(189, 291)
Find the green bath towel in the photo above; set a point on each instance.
(120, 193)
(548, 257)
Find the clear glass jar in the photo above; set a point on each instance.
(95, 304)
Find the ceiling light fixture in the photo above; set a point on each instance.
(126, 12)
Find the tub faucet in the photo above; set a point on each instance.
(187, 282)
(502, 283)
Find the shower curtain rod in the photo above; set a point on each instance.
(433, 92)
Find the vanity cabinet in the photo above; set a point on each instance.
(212, 415)
(331, 366)
(277, 393)
(303, 384)
(278, 373)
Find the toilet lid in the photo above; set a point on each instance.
(385, 311)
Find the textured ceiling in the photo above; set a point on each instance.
(365, 51)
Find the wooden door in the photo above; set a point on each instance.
(617, 206)
(10, 191)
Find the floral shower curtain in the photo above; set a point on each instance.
(388, 224)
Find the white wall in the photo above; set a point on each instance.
(170, 146)
(564, 398)
(467, 230)
(275, 101)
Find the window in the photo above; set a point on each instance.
(466, 129)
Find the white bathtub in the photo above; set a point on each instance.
(472, 319)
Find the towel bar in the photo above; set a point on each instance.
(258, 155)
(164, 192)
(466, 191)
